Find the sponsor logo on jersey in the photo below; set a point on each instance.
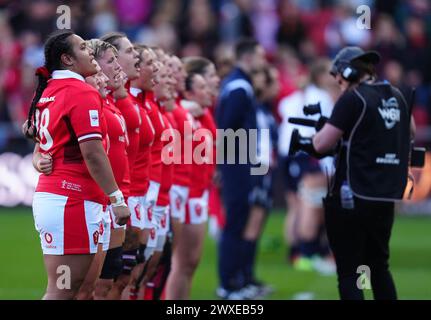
(46, 99)
(94, 118)
(70, 186)
(390, 112)
(48, 238)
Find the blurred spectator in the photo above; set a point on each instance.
(291, 31)
(387, 39)
(198, 27)
(235, 21)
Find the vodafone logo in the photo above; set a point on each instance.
(150, 214)
(153, 233)
(138, 211)
(198, 210)
(48, 238)
(163, 221)
(178, 203)
(96, 237)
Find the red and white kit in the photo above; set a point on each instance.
(179, 192)
(197, 204)
(155, 173)
(116, 150)
(68, 204)
(131, 115)
(161, 209)
(140, 171)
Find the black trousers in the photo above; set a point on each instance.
(360, 237)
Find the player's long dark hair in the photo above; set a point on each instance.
(56, 45)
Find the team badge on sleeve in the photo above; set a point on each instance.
(94, 118)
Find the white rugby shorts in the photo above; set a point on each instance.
(178, 196)
(67, 225)
(196, 210)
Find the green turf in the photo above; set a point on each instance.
(22, 274)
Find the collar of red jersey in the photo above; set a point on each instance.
(135, 91)
(66, 74)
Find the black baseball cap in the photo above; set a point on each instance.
(348, 54)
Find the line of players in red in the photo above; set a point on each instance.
(125, 142)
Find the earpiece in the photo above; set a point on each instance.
(349, 73)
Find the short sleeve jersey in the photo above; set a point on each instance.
(199, 168)
(140, 171)
(131, 114)
(156, 148)
(117, 144)
(167, 169)
(184, 122)
(68, 113)
(208, 122)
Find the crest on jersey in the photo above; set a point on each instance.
(150, 214)
(163, 221)
(96, 237)
(138, 211)
(178, 203)
(101, 228)
(198, 210)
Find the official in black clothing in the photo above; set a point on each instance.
(370, 133)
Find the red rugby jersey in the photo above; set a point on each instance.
(167, 169)
(140, 171)
(131, 114)
(207, 121)
(199, 169)
(68, 113)
(156, 149)
(184, 123)
(117, 144)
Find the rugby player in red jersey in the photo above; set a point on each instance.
(189, 249)
(65, 117)
(128, 59)
(179, 191)
(99, 82)
(159, 265)
(207, 69)
(141, 170)
(106, 55)
(152, 220)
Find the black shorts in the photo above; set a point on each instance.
(296, 167)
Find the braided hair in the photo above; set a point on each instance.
(56, 45)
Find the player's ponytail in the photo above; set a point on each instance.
(56, 45)
(43, 75)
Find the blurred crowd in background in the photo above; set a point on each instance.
(293, 32)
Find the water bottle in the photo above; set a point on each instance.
(346, 194)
